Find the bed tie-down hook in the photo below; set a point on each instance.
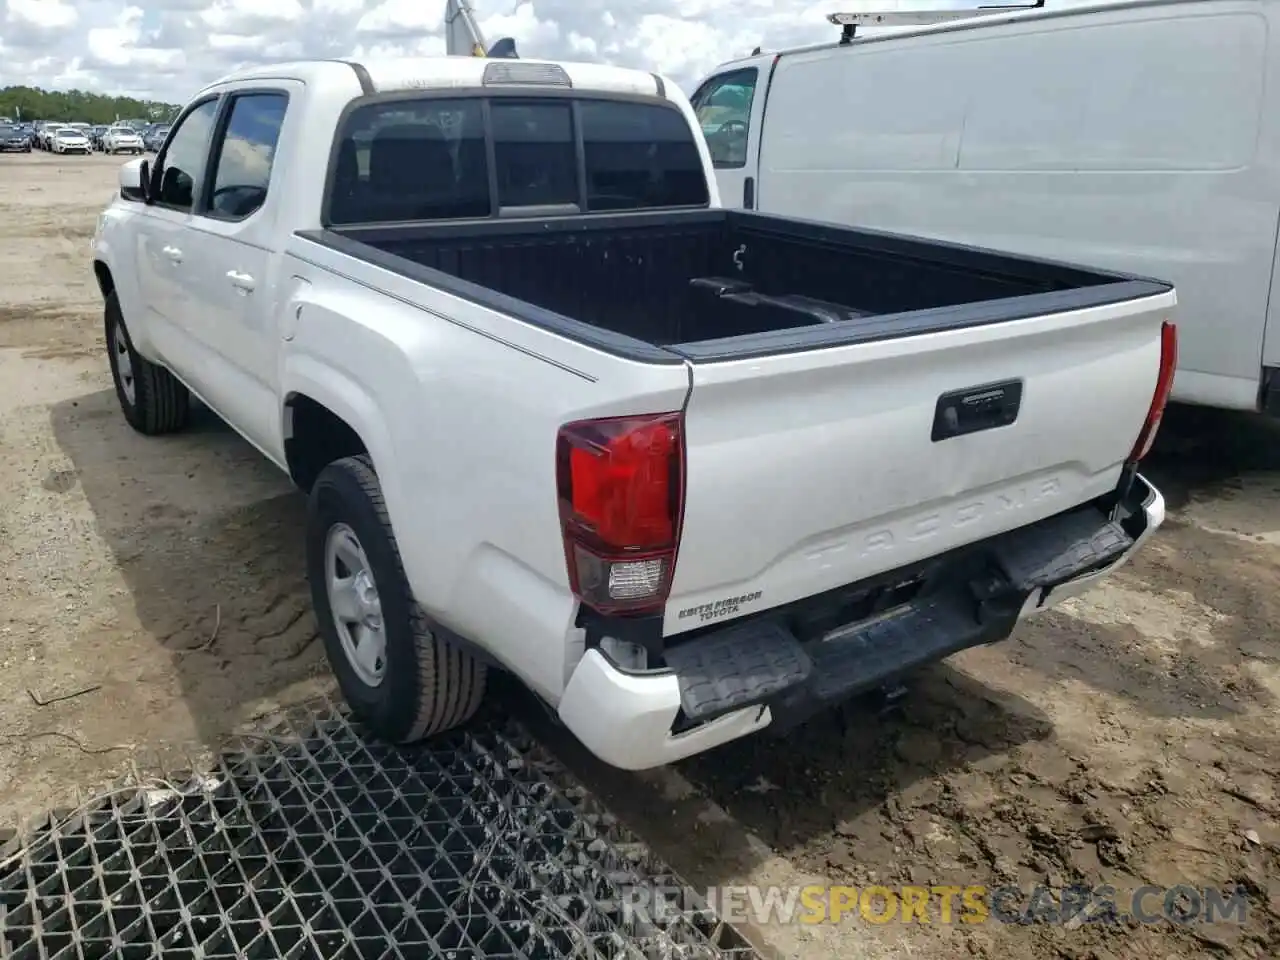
(737, 256)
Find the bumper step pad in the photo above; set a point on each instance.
(741, 665)
(761, 662)
(1048, 554)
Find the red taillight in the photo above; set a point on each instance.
(621, 487)
(1164, 386)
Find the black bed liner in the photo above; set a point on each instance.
(710, 285)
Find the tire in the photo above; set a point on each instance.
(153, 400)
(426, 686)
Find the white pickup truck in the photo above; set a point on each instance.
(688, 473)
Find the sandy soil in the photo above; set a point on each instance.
(157, 585)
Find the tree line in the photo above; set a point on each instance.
(33, 103)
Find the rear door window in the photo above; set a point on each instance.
(246, 155)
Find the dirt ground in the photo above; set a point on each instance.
(1131, 738)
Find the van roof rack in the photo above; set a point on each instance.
(906, 13)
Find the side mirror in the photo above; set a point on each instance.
(135, 180)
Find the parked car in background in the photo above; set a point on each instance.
(13, 140)
(122, 139)
(96, 133)
(154, 138)
(70, 140)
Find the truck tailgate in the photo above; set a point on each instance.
(808, 471)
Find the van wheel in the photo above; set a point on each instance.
(395, 674)
(154, 401)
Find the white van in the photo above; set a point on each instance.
(1141, 136)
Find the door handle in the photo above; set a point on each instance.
(173, 253)
(241, 281)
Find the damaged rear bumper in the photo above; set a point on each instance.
(772, 671)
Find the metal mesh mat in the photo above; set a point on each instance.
(318, 843)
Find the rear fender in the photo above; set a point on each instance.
(334, 389)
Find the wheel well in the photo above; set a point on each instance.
(106, 282)
(1270, 400)
(315, 436)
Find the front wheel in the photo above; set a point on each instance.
(395, 674)
(152, 399)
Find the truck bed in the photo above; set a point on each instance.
(716, 284)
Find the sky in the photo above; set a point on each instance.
(173, 47)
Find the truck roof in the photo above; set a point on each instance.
(434, 73)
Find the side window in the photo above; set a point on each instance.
(406, 160)
(639, 156)
(534, 153)
(180, 168)
(723, 106)
(244, 159)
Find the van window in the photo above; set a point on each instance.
(723, 106)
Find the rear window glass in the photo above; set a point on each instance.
(640, 156)
(429, 159)
(534, 153)
(411, 160)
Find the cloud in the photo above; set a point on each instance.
(167, 49)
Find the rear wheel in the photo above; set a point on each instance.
(395, 674)
(152, 399)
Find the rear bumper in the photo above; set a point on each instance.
(1153, 511)
(758, 673)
